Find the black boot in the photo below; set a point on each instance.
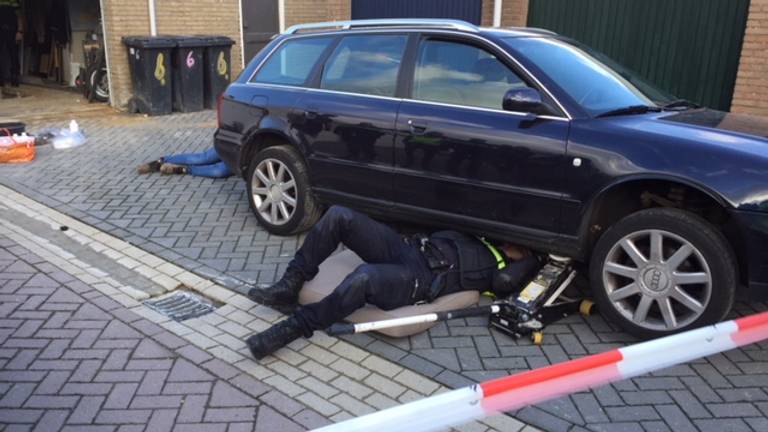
(284, 292)
(274, 338)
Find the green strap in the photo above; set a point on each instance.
(500, 261)
(11, 3)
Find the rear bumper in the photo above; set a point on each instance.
(753, 230)
(228, 147)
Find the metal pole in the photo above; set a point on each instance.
(152, 18)
(281, 15)
(107, 59)
(340, 329)
(497, 4)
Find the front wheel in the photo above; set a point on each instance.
(660, 271)
(279, 191)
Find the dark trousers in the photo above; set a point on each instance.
(395, 273)
(9, 50)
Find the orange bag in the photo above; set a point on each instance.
(16, 149)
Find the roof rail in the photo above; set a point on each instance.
(397, 22)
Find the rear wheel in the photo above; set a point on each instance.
(99, 80)
(660, 271)
(279, 191)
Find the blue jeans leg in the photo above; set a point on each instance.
(208, 157)
(217, 170)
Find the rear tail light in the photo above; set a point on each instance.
(218, 110)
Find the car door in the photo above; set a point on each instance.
(460, 158)
(348, 119)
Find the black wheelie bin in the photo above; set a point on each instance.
(218, 67)
(188, 73)
(150, 63)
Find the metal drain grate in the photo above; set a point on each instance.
(181, 306)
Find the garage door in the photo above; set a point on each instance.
(691, 48)
(467, 10)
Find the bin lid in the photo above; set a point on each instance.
(215, 40)
(191, 41)
(149, 41)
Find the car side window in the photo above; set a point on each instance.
(461, 74)
(366, 64)
(292, 63)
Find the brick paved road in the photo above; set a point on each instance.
(205, 226)
(73, 359)
(313, 379)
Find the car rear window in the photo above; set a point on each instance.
(365, 64)
(292, 63)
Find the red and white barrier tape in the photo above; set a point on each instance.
(509, 393)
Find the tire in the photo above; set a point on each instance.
(303, 214)
(696, 263)
(99, 85)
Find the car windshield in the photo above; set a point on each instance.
(597, 83)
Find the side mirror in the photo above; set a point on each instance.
(524, 100)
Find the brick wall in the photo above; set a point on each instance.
(203, 17)
(514, 13)
(131, 18)
(307, 11)
(122, 18)
(751, 93)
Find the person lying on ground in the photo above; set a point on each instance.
(398, 271)
(206, 164)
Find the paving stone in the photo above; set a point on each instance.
(310, 419)
(631, 413)
(352, 405)
(183, 370)
(269, 420)
(161, 421)
(123, 416)
(121, 395)
(543, 420)
(416, 382)
(86, 409)
(192, 409)
(730, 425)
(345, 367)
(149, 349)
(281, 403)
(52, 420)
(224, 395)
(317, 370)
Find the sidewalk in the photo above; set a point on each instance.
(80, 352)
(73, 359)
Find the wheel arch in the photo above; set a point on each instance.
(263, 138)
(633, 193)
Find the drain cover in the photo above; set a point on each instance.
(181, 306)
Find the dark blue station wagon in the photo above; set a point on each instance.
(517, 134)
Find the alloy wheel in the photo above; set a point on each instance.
(274, 191)
(657, 280)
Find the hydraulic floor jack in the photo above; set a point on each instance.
(526, 313)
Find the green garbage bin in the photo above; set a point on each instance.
(188, 73)
(217, 67)
(149, 59)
